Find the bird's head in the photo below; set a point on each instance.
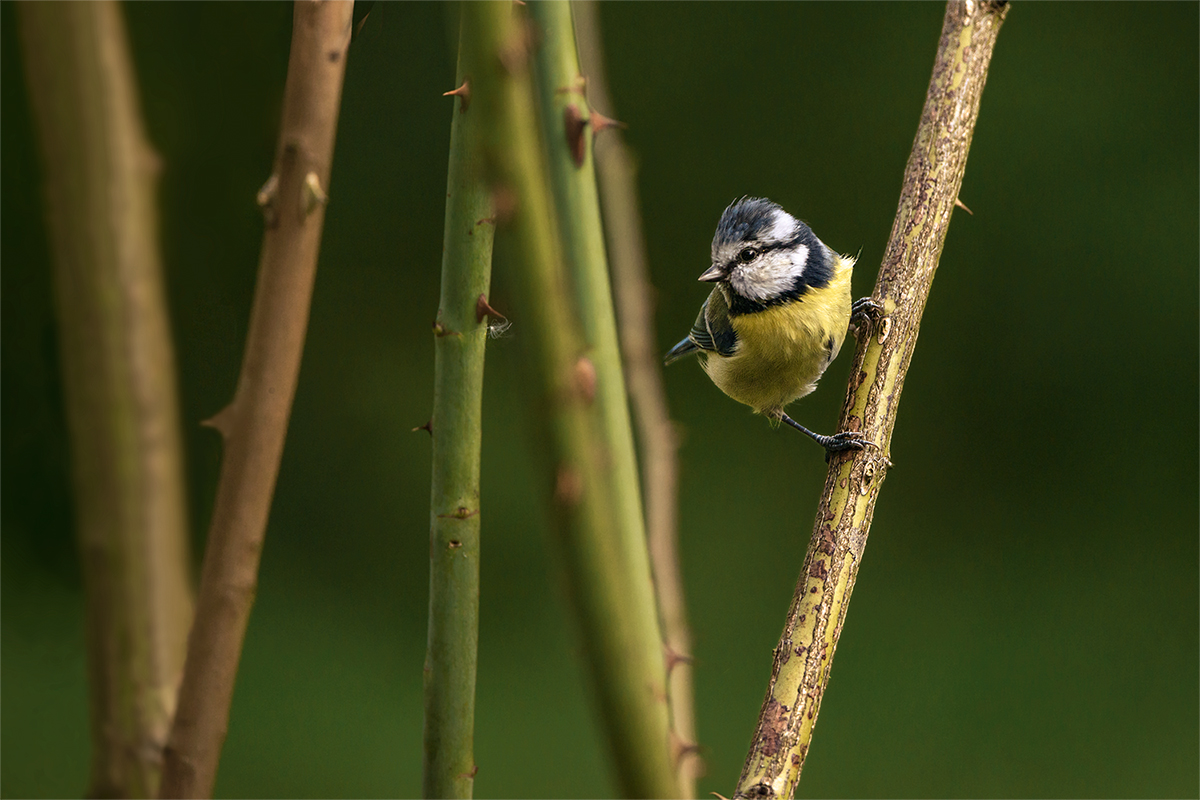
(764, 256)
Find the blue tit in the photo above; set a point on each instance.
(777, 316)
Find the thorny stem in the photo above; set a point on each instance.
(932, 179)
(567, 129)
(609, 584)
(254, 424)
(634, 297)
(460, 334)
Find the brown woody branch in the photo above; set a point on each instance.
(254, 424)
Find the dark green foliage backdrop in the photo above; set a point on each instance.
(1025, 623)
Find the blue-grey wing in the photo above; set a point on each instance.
(711, 333)
(715, 326)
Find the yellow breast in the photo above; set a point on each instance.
(783, 350)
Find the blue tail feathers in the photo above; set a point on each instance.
(685, 347)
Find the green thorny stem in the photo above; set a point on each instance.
(602, 544)
(101, 176)
(657, 440)
(569, 125)
(932, 179)
(460, 334)
(567, 132)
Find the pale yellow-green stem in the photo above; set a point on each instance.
(567, 132)
(658, 443)
(610, 586)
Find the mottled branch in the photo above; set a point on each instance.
(932, 179)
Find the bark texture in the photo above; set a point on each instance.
(932, 179)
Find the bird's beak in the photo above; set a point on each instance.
(713, 274)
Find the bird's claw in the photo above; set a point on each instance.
(844, 441)
(864, 312)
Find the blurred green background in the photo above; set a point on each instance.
(1025, 621)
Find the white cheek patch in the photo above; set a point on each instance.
(771, 275)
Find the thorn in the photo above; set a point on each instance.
(358, 28)
(585, 379)
(314, 195)
(682, 749)
(484, 309)
(514, 55)
(504, 201)
(963, 206)
(574, 125)
(151, 161)
(475, 769)
(464, 92)
(461, 513)
(427, 427)
(568, 486)
(266, 200)
(362, 10)
(601, 122)
(675, 658)
(221, 422)
(266, 195)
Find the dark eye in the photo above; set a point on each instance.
(748, 254)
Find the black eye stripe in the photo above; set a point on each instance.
(767, 247)
(817, 273)
(761, 249)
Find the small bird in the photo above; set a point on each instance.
(777, 316)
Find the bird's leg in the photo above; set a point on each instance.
(863, 313)
(837, 443)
